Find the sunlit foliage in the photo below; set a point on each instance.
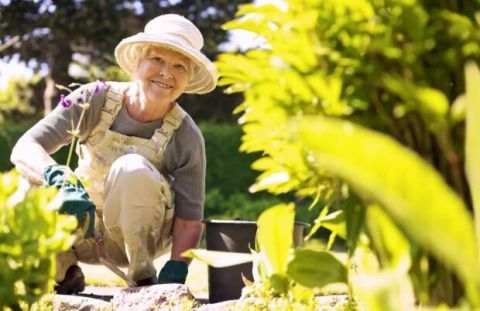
(31, 234)
(359, 104)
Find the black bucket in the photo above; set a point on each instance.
(234, 236)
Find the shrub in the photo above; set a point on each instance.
(332, 99)
(227, 168)
(31, 234)
(240, 206)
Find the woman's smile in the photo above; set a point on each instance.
(161, 84)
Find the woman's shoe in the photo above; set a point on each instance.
(73, 283)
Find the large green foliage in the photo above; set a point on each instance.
(31, 234)
(391, 65)
(393, 70)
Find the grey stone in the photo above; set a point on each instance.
(70, 302)
(156, 297)
(219, 306)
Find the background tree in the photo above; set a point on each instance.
(51, 32)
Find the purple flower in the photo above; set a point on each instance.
(65, 101)
(99, 84)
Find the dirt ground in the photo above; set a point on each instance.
(197, 280)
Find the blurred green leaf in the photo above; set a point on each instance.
(316, 268)
(458, 110)
(335, 222)
(401, 182)
(218, 259)
(431, 103)
(355, 218)
(275, 237)
(390, 244)
(472, 144)
(31, 234)
(381, 289)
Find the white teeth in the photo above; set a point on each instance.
(161, 84)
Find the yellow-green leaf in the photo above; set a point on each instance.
(472, 144)
(411, 191)
(316, 268)
(275, 237)
(218, 259)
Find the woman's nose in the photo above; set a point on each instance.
(165, 71)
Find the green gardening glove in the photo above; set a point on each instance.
(73, 196)
(173, 272)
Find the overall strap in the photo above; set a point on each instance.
(113, 103)
(171, 122)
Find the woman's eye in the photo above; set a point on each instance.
(157, 59)
(180, 66)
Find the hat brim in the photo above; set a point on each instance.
(204, 74)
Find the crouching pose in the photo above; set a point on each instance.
(141, 155)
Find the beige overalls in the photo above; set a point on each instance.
(134, 209)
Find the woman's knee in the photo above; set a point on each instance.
(134, 178)
(131, 169)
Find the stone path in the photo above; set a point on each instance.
(161, 297)
(197, 280)
(156, 297)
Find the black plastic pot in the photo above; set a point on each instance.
(234, 236)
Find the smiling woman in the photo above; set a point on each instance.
(136, 147)
(162, 76)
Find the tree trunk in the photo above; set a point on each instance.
(59, 60)
(48, 94)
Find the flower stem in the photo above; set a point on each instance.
(73, 143)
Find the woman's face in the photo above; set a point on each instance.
(163, 75)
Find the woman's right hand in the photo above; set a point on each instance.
(74, 199)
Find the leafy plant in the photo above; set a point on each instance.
(358, 105)
(31, 234)
(279, 271)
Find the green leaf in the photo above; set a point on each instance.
(218, 259)
(279, 282)
(431, 103)
(335, 222)
(316, 268)
(355, 218)
(457, 110)
(378, 290)
(472, 144)
(389, 243)
(411, 191)
(275, 237)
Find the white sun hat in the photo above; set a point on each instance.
(179, 34)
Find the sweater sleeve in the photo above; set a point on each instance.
(185, 161)
(52, 132)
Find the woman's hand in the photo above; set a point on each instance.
(73, 197)
(186, 235)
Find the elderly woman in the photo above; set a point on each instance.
(141, 154)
